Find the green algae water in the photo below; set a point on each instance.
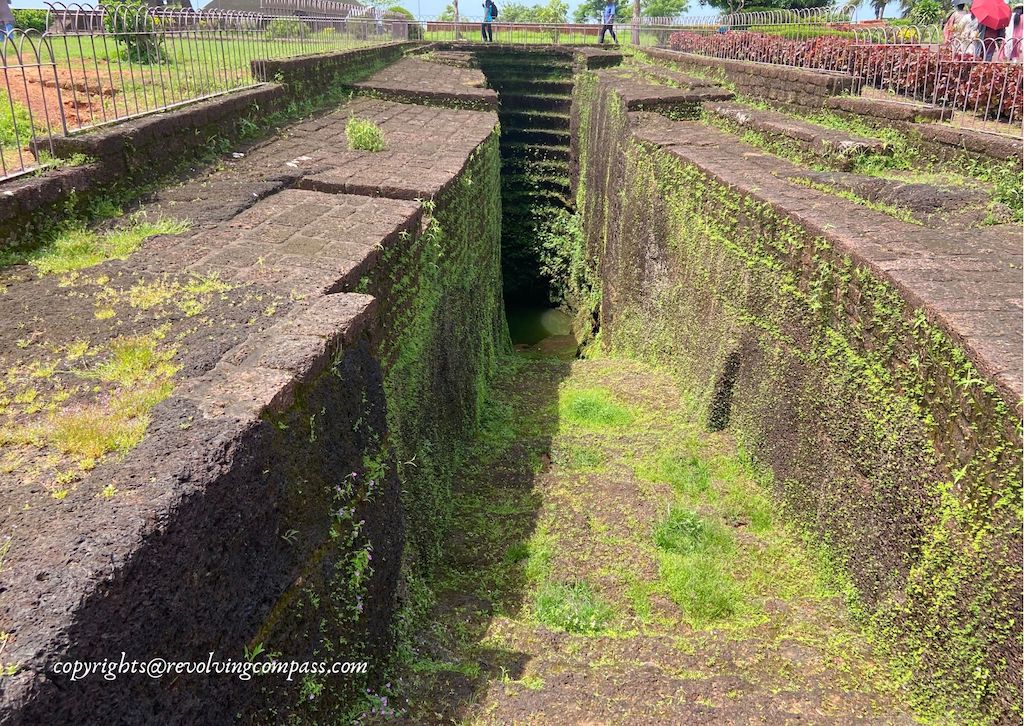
(544, 331)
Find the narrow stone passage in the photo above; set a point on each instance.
(612, 562)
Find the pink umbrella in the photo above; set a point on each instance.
(994, 14)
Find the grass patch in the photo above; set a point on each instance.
(687, 474)
(76, 248)
(93, 432)
(135, 360)
(578, 457)
(538, 555)
(573, 607)
(593, 408)
(364, 135)
(694, 554)
(684, 532)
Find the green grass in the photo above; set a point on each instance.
(77, 247)
(364, 135)
(15, 126)
(684, 532)
(578, 457)
(701, 586)
(694, 557)
(573, 607)
(687, 474)
(136, 360)
(593, 408)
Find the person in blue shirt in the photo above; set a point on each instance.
(490, 13)
(607, 20)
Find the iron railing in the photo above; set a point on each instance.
(96, 65)
(976, 84)
(99, 64)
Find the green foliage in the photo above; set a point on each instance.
(573, 607)
(364, 135)
(684, 532)
(78, 247)
(30, 19)
(137, 30)
(593, 408)
(287, 28)
(928, 12)
(15, 128)
(687, 474)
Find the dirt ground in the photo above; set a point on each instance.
(572, 486)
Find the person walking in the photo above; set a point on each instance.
(1011, 50)
(962, 32)
(607, 21)
(490, 15)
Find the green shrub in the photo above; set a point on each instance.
(927, 12)
(573, 607)
(30, 19)
(134, 28)
(364, 135)
(287, 28)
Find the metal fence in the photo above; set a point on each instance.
(96, 65)
(977, 83)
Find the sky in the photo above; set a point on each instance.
(430, 8)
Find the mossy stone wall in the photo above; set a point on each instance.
(896, 457)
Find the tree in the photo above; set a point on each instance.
(518, 13)
(448, 14)
(554, 13)
(590, 10)
(739, 6)
(663, 8)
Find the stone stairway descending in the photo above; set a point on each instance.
(535, 93)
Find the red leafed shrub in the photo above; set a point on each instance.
(993, 90)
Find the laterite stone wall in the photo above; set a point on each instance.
(825, 336)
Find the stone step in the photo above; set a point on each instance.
(519, 164)
(532, 151)
(529, 183)
(528, 197)
(515, 119)
(675, 78)
(819, 140)
(533, 85)
(546, 137)
(537, 102)
(876, 108)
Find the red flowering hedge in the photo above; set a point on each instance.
(993, 90)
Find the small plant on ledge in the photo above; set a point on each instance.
(364, 135)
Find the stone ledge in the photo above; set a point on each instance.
(977, 142)
(784, 84)
(174, 131)
(906, 255)
(416, 81)
(822, 141)
(427, 149)
(884, 109)
(640, 94)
